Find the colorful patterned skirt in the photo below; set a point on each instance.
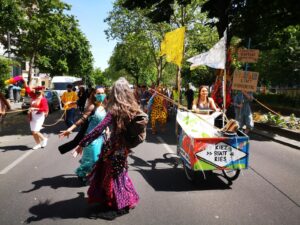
(110, 184)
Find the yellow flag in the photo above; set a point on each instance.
(172, 46)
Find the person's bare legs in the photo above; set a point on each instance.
(42, 137)
(36, 137)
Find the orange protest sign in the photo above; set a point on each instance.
(248, 55)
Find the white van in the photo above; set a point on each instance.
(59, 83)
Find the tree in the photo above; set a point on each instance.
(132, 57)
(5, 70)
(279, 66)
(159, 10)
(50, 39)
(198, 36)
(100, 78)
(127, 25)
(254, 18)
(12, 13)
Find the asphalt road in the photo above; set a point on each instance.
(39, 187)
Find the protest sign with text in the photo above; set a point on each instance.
(245, 80)
(248, 55)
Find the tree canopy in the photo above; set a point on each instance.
(271, 25)
(42, 33)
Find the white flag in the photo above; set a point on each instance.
(215, 57)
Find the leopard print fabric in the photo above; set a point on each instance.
(158, 113)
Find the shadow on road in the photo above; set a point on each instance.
(14, 147)
(66, 180)
(66, 209)
(173, 179)
(168, 135)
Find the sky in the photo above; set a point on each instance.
(90, 15)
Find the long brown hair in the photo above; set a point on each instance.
(199, 94)
(122, 104)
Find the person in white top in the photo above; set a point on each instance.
(203, 102)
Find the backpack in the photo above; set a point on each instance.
(136, 130)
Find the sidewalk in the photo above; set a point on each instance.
(281, 139)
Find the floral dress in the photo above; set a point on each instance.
(91, 152)
(110, 184)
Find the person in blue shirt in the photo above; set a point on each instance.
(242, 109)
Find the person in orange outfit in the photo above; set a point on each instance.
(159, 112)
(69, 99)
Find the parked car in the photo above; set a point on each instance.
(52, 98)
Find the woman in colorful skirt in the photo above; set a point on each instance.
(110, 185)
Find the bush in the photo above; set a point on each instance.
(5, 70)
(279, 100)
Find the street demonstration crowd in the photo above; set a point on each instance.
(112, 122)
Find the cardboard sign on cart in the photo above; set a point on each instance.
(202, 147)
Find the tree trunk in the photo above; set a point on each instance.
(159, 71)
(31, 63)
(178, 83)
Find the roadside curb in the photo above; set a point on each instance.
(292, 142)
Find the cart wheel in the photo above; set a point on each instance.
(190, 174)
(231, 174)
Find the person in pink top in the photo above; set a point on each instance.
(37, 112)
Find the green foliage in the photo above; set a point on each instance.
(280, 100)
(275, 120)
(279, 66)
(43, 34)
(12, 13)
(168, 77)
(159, 10)
(133, 57)
(133, 25)
(293, 122)
(5, 70)
(256, 19)
(100, 78)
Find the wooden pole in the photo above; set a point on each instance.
(179, 84)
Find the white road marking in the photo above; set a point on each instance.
(16, 162)
(167, 147)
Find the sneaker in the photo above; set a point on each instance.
(36, 146)
(44, 143)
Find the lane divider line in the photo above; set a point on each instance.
(16, 162)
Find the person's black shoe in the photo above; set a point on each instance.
(109, 214)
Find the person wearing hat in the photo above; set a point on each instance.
(37, 112)
(69, 99)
